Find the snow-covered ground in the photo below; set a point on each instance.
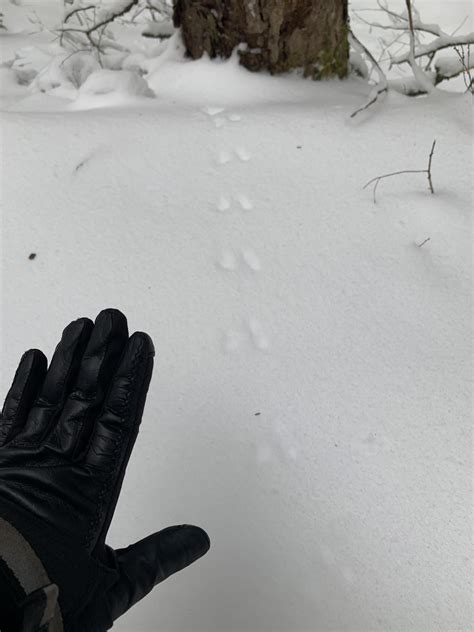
(311, 400)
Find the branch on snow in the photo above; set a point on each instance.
(412, 23)
(105, 17)
(420, 76)
(440, 43)
(397, 173)
(450, 67)
(94, 21)
(423, 80)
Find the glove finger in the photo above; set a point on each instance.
(116, 428)
(59, 379)
(98, 365)
(152, 560)
(28, 379)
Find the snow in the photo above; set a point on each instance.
(106, 87)
(441, 42)
(310, 404)
(158, 29)
(451, 65)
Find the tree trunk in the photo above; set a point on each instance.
(275, 35)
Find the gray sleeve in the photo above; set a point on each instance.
(28, 598)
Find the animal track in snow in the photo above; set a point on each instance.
(234, 339)
(212, 111)
(279, 443)
(223, 204)
(243, 154)
(228, 260)
(259, 338)
(245, 203)
(251, 260)
(224, 157)
(220, 121)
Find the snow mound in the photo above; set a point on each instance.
(111, 87)
(28, 62)
(15, 18)
(66, 73)
(159, 29)
(226, 82)
(121, 82)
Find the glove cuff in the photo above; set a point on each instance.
(28, 599)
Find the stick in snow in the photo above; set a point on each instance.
(424, 242)
(397, 173)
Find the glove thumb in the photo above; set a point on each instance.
(146, 563)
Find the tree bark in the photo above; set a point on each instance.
(274, 35)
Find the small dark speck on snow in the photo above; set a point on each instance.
(299, 146)
(257, 414)
(32, 256)
(80, 165)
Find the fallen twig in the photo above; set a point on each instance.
(424, 242)
(397, 173)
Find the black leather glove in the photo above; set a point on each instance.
(66, 435)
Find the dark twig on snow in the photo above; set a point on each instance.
(82, 163)
(424, 242)
(397, 173)
(371, 101)
(113, 16)
(78, 10)
(428, 170)
(467, 66)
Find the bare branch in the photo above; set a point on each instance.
(409, 23)
(110, 16)
(438, 44)
(397, 173)
(113, 16)
(466, 66)
(382, 86)
(410, 16)
(418, 73)
(89, 25)
(430, 160)
(466, 18)
(77, 11)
